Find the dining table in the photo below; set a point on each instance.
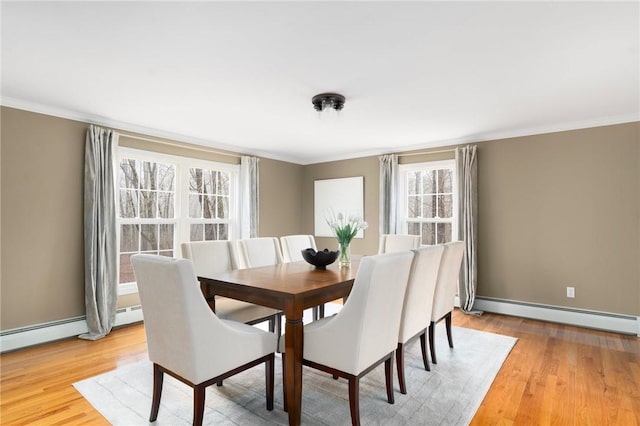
(292, 288)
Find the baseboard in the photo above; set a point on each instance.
(23, 337)
(48, 332)
(618, 323)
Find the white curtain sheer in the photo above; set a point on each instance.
(388, 193)
(249, 197)
(467, 169)
(100, 251)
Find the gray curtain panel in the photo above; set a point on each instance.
(249, 197)
(100, 251)
(388, 193)
(467, 167)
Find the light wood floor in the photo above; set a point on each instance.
(555, 374)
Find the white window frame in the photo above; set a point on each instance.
(403, 169)
(181, 218)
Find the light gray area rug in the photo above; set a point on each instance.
(448, 395)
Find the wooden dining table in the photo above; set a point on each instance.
(292, 288)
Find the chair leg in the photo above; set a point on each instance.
(388, 374)
(268, 376)
(400, 367)
(423, 344)
(158, 378)
(275, 326)
(321, 310)
(278, 329)
(447, 322)
(284, 388)
(354, 400)
(432, 346)
(198, 404)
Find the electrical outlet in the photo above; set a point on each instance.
(571, 292)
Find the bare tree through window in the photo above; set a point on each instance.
(150, 218)
(209, 192)
(429, 204)
(146, 202)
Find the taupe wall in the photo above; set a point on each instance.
(42, 178)
(558, 210)
(555, 210)
(42, 159)
(280, 193)
(368, 168)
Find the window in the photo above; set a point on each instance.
(208, 204)
(146, 211)
(163, 200)
(427, 201)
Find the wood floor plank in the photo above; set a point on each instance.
(555, 375)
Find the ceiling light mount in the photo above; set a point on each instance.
(328, 100)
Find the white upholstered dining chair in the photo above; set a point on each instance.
(186, 340)
(390, 243)
(445, 294)
(213, 257)
(254, 252)
(365, 332)
(418, 302)
(292, 246)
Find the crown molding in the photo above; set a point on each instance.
(486, 137)
(129, 127)
(479, 138)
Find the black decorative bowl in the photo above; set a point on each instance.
(319, 259)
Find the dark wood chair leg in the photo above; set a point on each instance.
(278, 329)
(432, 346)
(272, 324)
(354, 400)
(388, 374)
(400, 367)
(335, 377)
(198, 404)
(423, 344)
(269, 380)
(158, 378)
(321, 310)
(284, 388)
(447, 321)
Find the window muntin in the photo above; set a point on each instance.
(154, 211)
(146, 211)
(427, 206)
(209, 201)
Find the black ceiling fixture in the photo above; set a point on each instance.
(328, 100)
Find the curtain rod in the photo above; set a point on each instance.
(426, 152)
(180, 145)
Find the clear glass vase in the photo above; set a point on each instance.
(344, 257)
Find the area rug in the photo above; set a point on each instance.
(449, 394)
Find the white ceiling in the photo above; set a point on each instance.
(241, 75)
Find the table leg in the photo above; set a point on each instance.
(293, 365)
(209, 296)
